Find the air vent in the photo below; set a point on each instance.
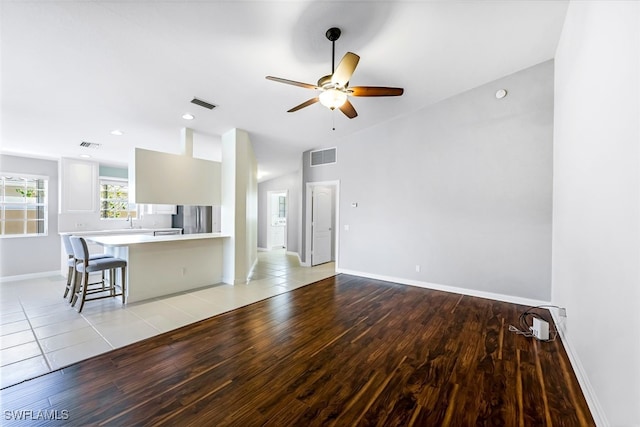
(86, 144)
(202, 103)
(324, 157)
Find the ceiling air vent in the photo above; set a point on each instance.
(86, 144)
(202, 103)
(324, 157)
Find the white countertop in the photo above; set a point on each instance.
(138, 239)
(117, 231)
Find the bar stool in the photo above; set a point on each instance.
(84, 266)
(72, 264)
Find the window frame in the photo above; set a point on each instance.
(38, 206)
(132, 207)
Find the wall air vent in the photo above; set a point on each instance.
(86, 144)
(202, 103)
(324, 157)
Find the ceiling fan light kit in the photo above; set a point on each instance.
(334, 88)
(333, 98)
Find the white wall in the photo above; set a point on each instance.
(249, 166)
(461, 188)
(32, 255)
(239, 206)
(596, 215)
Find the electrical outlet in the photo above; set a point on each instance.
(562, 312)
(417, 269)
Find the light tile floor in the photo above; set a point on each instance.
(40, 332)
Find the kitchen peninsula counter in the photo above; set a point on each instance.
(164, 265)
(117, 231)
(140, 239)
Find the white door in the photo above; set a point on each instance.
(321, 225)
(277, 220)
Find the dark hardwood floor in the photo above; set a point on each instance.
(342, 351)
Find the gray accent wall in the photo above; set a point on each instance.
(462, 188)
(32, 255)
(292, 184)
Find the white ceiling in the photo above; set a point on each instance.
(72, 71)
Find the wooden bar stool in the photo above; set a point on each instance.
(84, 266)
(71, 262)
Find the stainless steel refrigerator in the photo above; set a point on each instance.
(193, 219)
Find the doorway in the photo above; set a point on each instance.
(322, 219)
(277, 220)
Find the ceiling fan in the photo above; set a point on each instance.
(334, 88)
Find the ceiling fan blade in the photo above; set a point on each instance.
(345, 69)
(304, 104)
(376, 91)
(292, 82)
(348, 110)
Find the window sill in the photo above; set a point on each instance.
(14, 236)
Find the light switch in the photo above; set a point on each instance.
(346, 227)
(354, 205)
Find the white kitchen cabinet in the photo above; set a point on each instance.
(164, 209)
(79, 186)
(160, 209)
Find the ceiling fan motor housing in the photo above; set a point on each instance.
(325, 82)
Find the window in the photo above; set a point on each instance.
(23, 205)
(114, 199)
(282, 207)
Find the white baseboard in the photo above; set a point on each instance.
(296, 254)
(262, 249)
(453, 289)
(31, 276)
(233, 281)
(255, 262)
(587, 389)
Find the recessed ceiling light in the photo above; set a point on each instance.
(85, 156)
(117, 132)
(501, 93)
(188, 116)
